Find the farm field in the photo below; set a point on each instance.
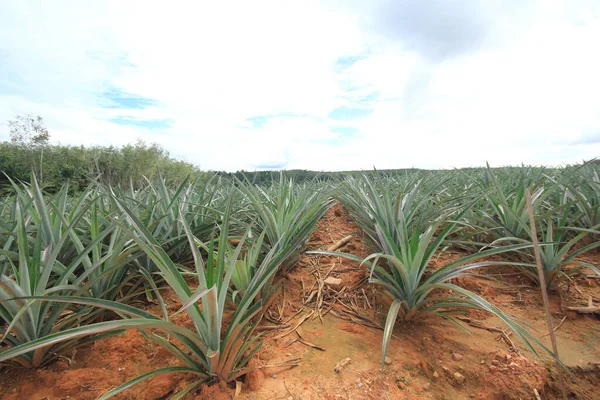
(397, 285)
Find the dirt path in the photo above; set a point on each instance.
(424, 357)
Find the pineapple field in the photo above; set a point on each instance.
(382, 284)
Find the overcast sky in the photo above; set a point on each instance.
(322, 85)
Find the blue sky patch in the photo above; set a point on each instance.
(590, 138)
(259, 121)
(143, 123)
(351, 86)
(346, 62)
(7, 89)
(344, 130)
(274, 165)
(119, 99)
(345, 113)
(373, 96)
(345, 134)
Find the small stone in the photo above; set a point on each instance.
(360, 385)
(388, 361)
(435, 375)
(334, 283)
(458, 378)
(507, 357)
(457, 357)
(427, 386)
(274, 376)
(482, 362)
(402, 385)
(496, 363)
(425, 368)
(254, 379)
(493, 368)
(447, 371)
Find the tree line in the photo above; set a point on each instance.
(302, 175)
(29, 150)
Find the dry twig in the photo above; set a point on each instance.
(478, 324)
(590, 309)
(340, 365)
(340, 243)
(542, 279)
(557, 326)
(300, 322)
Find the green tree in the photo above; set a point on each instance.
(29, 150)
(28, 131)
(31, 133)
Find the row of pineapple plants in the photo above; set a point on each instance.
(410, 218)
(74, 268)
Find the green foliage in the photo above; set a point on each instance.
(562, 215)
(216, 348)
(124, 167)
(42, 265)
(407, 229)
(287, 213)
(261, 178)
(75, 257)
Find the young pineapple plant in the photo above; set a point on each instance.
(407, 233)
(37, 272)
(504, 219)
(584, 192)
(287, 213)
(216, 347)
(107, 257)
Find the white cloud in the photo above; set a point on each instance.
(526, 91)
